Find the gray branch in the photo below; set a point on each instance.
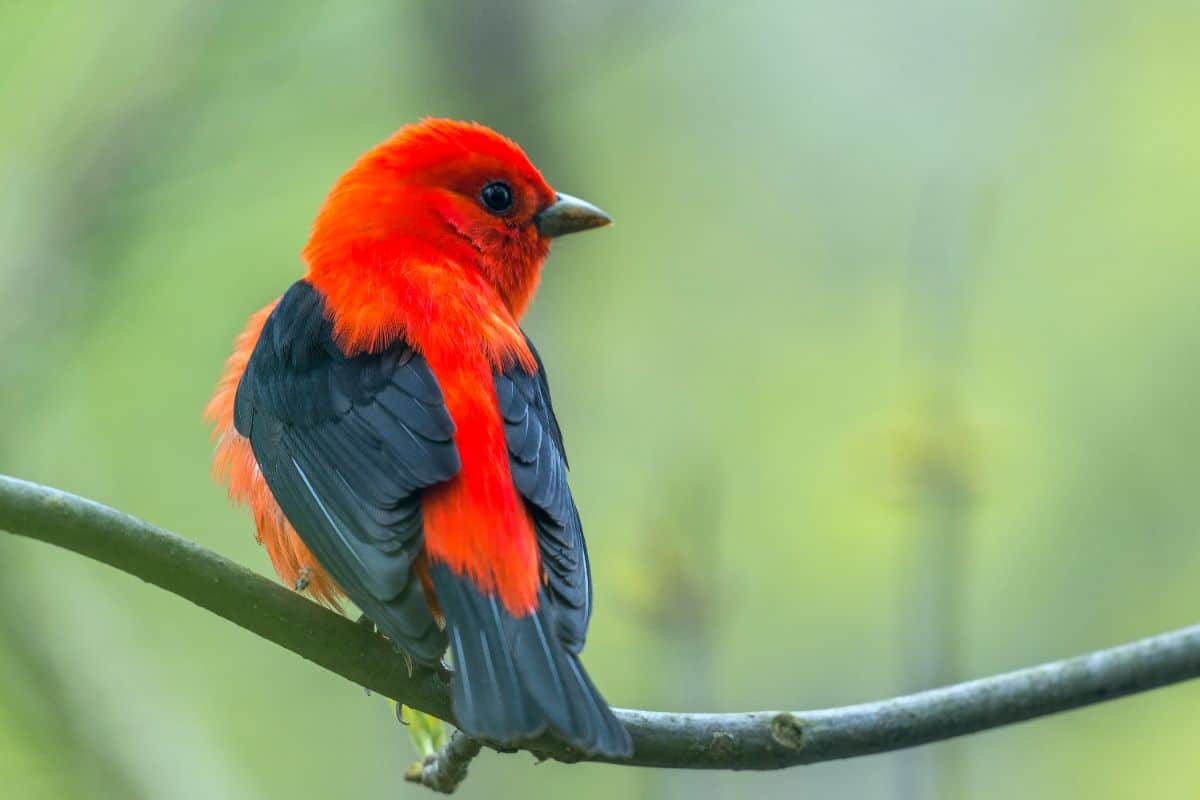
(447, 768)
(756, 740)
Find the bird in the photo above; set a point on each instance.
(388, 424)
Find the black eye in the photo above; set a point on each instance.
(497, 196)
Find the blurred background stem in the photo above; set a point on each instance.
(947, 241)
(682, 552)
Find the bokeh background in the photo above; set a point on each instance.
(885, 377)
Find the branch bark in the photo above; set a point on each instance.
(747, 741)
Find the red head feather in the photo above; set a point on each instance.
(410, 207)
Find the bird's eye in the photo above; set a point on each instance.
(497, 196)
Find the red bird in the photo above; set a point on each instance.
(389, 425)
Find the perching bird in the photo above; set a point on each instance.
(389, 425)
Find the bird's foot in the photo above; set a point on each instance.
(302, 578)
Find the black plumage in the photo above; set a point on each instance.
(347, 444)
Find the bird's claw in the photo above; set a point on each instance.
(302, 578)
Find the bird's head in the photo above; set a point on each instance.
(441, 189)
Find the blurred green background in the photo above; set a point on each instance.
(885, 377)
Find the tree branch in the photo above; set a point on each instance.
(446, 769)
(758, 740)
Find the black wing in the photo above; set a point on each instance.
(539, 469)
(346, 445)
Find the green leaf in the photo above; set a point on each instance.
(428, 732)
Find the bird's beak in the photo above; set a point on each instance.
(569, 215)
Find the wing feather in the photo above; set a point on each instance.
(538, 463)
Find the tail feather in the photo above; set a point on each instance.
(515, 679)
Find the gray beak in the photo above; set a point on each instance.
(569, 215)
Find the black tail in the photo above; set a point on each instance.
(514, 679)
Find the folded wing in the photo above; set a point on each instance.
(346, 444)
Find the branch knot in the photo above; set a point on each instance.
(787, 731)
